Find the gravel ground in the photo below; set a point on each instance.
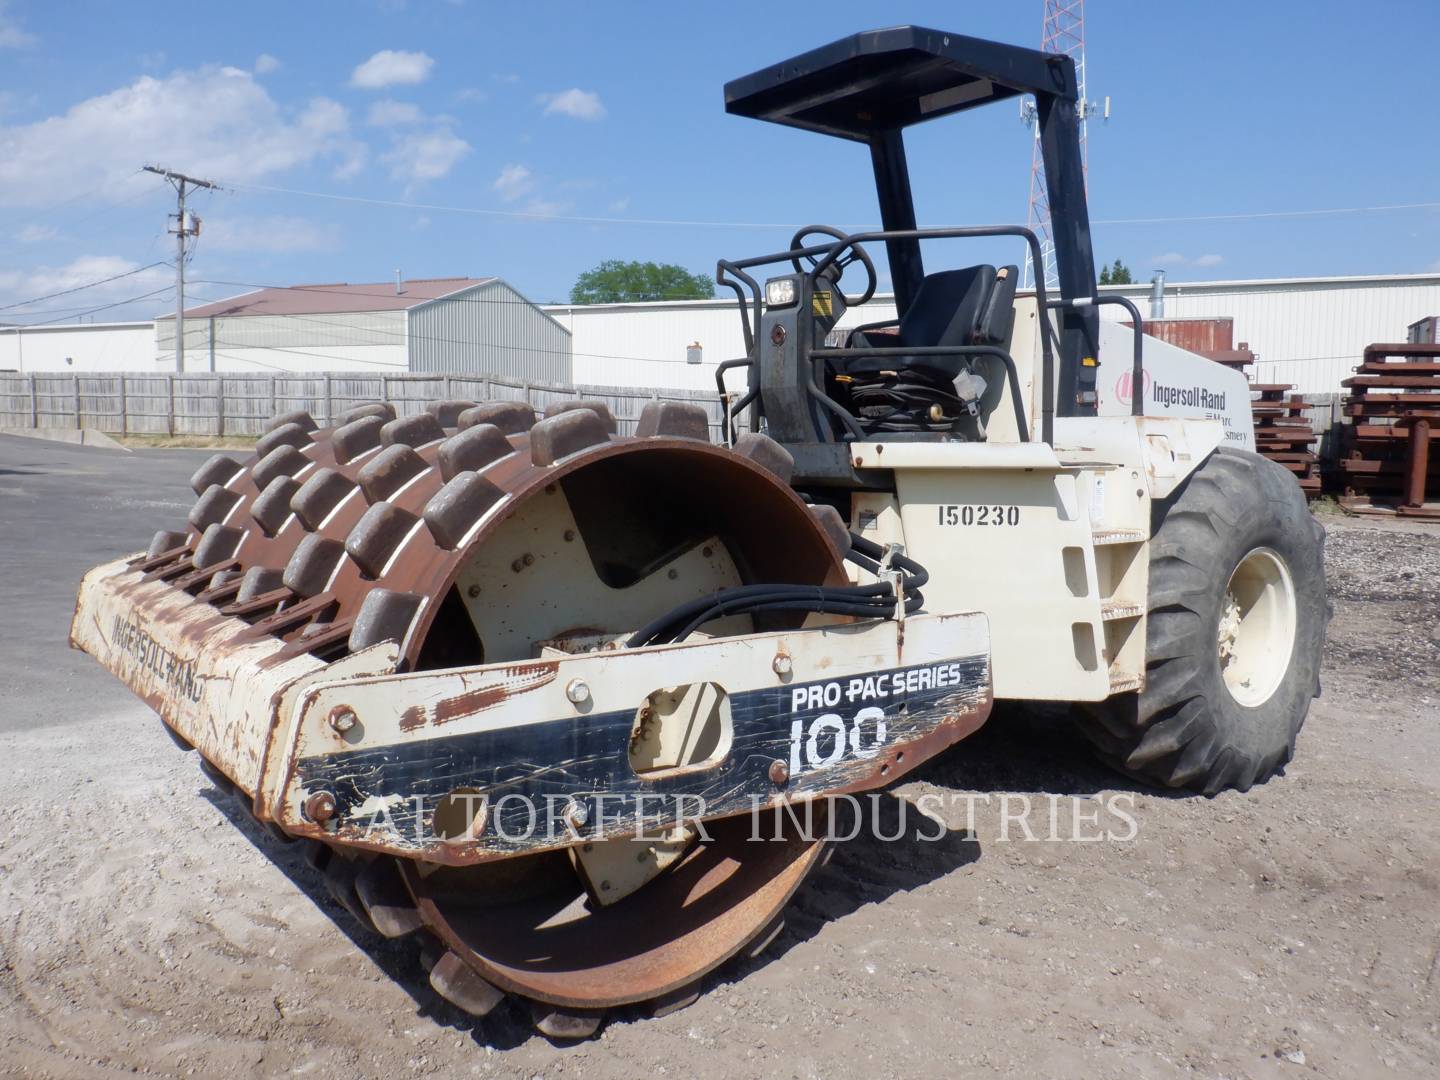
(146, 926)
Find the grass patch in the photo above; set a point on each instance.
(188, 442)
(1327, 504)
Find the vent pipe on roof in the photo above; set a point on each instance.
(399, 285)
(1157, 295)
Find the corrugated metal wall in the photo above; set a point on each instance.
(1309, 333)
(490, 329)
(355, 340)
(288, 331)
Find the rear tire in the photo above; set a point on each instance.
(1236, 624)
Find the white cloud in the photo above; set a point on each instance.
(11, 35)
(425, 155)
(11, 102)
(547, 207)
(265, 64)
(36, 234)
(513, 182)
(575, 103)
(217, 123)
(505, 77)
(24, 284)
(273, 234)
(619, 206)
(471, 95)
(1175, 258)
(422, 146)
(392, 67)
(389, 113)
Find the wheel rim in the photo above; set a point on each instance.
(1256, 633)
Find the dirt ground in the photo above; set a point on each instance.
(146, 926)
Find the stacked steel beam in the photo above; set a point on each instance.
(1282, 432)
(1388, 458)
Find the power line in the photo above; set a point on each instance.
(102, 307)
(517, 215)
(582, 220)
(82, 288)
(389, 292)
(1268, 214)
(48, 210)
(401, 336)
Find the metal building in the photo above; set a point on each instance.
(460, 326)
(115, 346)
(1309, 332)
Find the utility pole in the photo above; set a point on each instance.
(180, 182)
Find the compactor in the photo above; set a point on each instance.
(521, 683)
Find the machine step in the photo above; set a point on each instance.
(1122, 682)
(1118, 536)
(1112, 610)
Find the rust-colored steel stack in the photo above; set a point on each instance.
(1283, 433)
(1388, 461)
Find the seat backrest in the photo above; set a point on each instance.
(999, 308)
(961, 307)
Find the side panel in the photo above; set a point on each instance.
(1014, 542)
(1177, 383)
(1160, 452)
(1053, 545)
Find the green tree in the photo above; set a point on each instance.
(615, 281)
(1118, 274)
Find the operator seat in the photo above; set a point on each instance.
(972, 306)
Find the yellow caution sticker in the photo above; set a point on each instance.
(1088, 361)
(821, 303)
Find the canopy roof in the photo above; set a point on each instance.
(884, 80)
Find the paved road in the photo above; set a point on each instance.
(64, 509)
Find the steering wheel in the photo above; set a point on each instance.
(855, 253)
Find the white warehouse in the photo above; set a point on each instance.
(1306, 331)
(459, 326)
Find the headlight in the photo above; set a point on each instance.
(780, 292)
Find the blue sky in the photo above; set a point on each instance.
(540, 113)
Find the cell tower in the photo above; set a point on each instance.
(1064, 33)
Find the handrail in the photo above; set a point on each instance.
(723, 267)
(1137, 370)
(1047, 362)
(751, 391)
(828, 253)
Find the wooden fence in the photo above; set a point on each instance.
(240, 404)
